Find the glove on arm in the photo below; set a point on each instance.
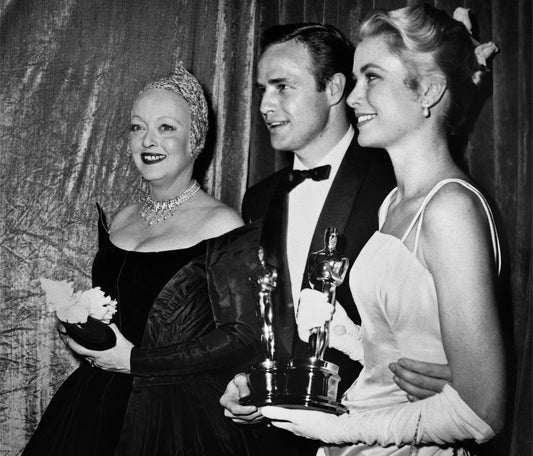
(440, 419)
(344, 334)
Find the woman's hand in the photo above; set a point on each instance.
(313, 311)
(344, 334)
(306, 423)
(116, 359)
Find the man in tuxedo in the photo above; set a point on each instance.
(304, 75)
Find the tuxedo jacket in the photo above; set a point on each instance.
(362, 182)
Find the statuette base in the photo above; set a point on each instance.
(312, 384)
(267, 384)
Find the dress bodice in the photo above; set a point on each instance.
(134, 279)
(397, 300)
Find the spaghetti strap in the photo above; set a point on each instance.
(419, 216)
(384, 208)
(415, 218)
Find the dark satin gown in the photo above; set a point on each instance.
(85, 415)
(201, 331)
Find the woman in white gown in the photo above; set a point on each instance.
(425, 282)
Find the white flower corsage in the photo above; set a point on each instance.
(76, 307)
(483, 51)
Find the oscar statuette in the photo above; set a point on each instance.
(267, 377)
(312, 382)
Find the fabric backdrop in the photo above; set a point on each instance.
(69, 71)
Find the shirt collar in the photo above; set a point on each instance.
(334, 156)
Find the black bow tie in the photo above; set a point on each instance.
(297, 176)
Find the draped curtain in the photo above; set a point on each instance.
(70, 70)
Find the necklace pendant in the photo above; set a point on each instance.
(153, 211)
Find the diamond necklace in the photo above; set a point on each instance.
(156, 211)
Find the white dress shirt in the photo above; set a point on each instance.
(305, 204)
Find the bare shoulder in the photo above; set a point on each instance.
(454, 205)
(455, 227)
(217, 217)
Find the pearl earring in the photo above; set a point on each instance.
(425, 109)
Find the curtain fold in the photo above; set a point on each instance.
(70, 70)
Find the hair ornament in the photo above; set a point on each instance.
(483, 51)
(462, 15)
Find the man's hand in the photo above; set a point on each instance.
(116, 359)
(420, 380)
(243, 414)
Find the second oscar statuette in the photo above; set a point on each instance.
(267, 377)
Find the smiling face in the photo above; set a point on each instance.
(295, 112)
(159, 136)
(388, 111)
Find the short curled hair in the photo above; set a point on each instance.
(331, 52)
(427, 39)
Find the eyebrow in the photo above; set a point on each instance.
(159, 119)
(369, 66)
(274, 81)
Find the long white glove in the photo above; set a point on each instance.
(442, 418)
(344, 334)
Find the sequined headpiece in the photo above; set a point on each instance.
(187, 86)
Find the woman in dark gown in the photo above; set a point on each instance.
(146, 245)
(85, 415)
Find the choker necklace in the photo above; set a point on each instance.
(156, 211)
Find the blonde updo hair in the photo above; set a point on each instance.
(427, 40)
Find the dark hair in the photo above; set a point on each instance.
(426, 39)
(330, 50)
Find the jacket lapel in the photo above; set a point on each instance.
(274, 243)
(341, 197)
